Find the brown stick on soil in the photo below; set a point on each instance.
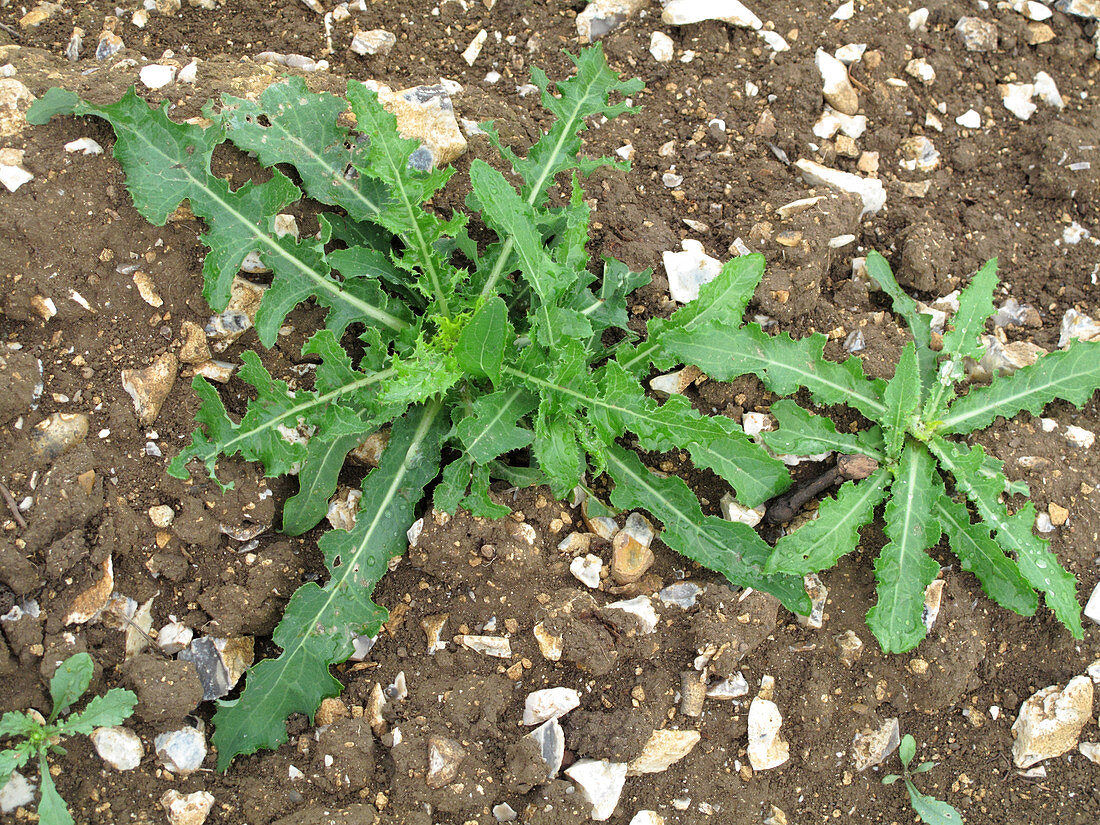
(6, 493)
(783, 508)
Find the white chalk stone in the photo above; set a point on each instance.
(661, 47)
(601, 782)
(969, 119)
(685, 12)
(551, 703)
(119, 747)
(689, 270)
(156, 75)
(586, 570)
(870, 190)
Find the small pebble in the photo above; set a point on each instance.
(119, 747)
(192, 809)
(181, 751)
(586, 569)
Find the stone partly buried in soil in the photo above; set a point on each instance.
(119, 747)
(663, 748)
(149, 387)
(767, 748)
(55, 435)
(551, 703)
(192, 809)
(444, 759)
(871, 747)
(601, 782)
(1050, 721)
(181, 751)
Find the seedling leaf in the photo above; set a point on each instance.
(69, 682)
(112, 708)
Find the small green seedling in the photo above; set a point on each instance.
(927, 474)
(928, 808)
(39, 736)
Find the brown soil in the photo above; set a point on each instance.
(1006, 190)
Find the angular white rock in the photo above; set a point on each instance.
(1092, 609)
(641, 607)
(919, 154)
(12, 175)
(181, 751)
(837, 89)
(1047, 91)
(601, 782)
(845, 12)
(832, 121)
(1050, 721)
(661, 47)
(1079, 436)
(551, 703)
(733, 510)
(685, 12)
(374, 41)
(586, 569)
(870, 190)
(921, 69)
(550, 739)
(731, 688)
(189, 73)
(647, 818)
(497, 646)
(662, 749)
(870, 748)
(918, 20)
(157, 75)
(1077, 327)
(850, 53)
(1016, 97)
(119, 747)
(767, 748)
(969, 119)
(84, 145)
(774, 41)
(474, 49)
(689, 270)
(603, 16)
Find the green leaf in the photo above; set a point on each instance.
(907, 749)
(733, 549)
(69, 682)
(721, 301)
(903, 569)
(975, 307)
(272, 428)
(15, 723)
(1072, 375)
(782, 363)
(389, 160)
(478, 501)
(166, 163)
(291, 124)
(452, 486)
(902, 397)
(52, 809)
(818, 544)
(490, 430)
(801, 432)
(11, 760)
(514, 220)
(321, 623)
(919, 323)
(113, 708)
(930, 809)
(55, 102)
(581, 96)
(714, 442)
(1039, 566)
(481, 345)
(979, 554)
(317, 480)
(557, 449)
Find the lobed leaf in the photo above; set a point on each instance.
(975, 307)
(979, 554)
(903, 569)
(290, 124)
(721, 301)
(714, 442)
(781, 362)
(112, 708)
(731, 548)
(69, 682)
(276, 425)
(481, 345)
(800, 432)
(490, 429)
(321, 623)
(1039, 566)
(819, 544)
(317, 481)
(1072, 374)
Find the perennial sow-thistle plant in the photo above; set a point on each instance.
(495, 361)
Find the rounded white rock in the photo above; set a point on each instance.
(119, 747)
(157, 75)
